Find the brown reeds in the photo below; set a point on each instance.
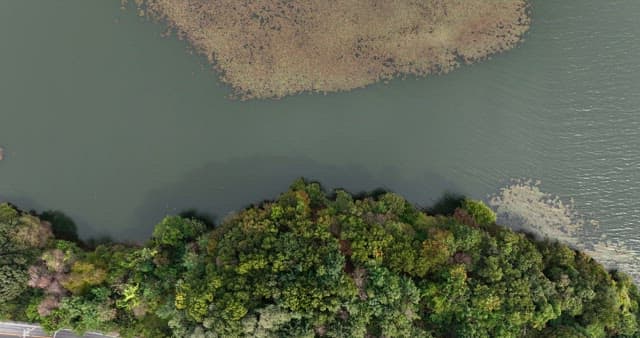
(274, 48)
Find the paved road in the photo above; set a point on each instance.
(12, 330)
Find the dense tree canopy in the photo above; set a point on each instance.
(21, 238)
(316, 264)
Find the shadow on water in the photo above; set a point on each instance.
(62, 225)
(207, 219)
(218, 188)
(65, 226)
(446, 205)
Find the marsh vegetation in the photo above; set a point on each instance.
(267, 49)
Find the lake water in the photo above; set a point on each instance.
(105, 120)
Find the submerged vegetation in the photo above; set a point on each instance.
(313, 264)
(275, 48)
(523, 206)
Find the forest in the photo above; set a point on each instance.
(313, 263)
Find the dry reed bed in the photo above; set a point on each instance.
(274, 48)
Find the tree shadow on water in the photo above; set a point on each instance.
(64, 226)
(219, 188)
(206, 218)
(446, 205)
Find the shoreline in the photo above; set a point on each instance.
(318, 254)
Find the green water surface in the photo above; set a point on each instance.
(105, 120)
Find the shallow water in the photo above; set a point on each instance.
(105, 120)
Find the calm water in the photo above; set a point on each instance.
(114, 125)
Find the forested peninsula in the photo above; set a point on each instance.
(313, 264)
(274, 48)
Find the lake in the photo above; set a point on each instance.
(105, 120)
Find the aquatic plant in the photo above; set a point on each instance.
(267, 49)
(523, 206)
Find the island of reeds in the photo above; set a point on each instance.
(274, 48)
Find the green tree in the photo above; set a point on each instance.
(312, 264)
(480, 212)
(22, 237)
